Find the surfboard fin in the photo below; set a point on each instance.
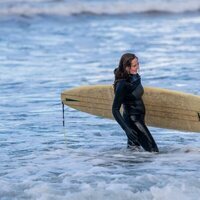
(67, 99)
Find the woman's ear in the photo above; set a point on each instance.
(128, 69)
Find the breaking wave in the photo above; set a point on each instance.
(61, 8)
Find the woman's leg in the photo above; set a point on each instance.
(131, 143)
(144, 136)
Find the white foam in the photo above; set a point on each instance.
(84, 186)
(179, 191)
(107, 191)
(172, 190)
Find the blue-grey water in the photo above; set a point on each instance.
(50, 46)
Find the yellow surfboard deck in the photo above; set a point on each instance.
(164, 108)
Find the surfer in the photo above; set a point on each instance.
(128, 92)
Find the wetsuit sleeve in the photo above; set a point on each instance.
(117, 102)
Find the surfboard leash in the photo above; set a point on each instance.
(63, 113)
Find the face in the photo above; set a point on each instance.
(134, 67)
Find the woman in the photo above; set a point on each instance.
(128, 91)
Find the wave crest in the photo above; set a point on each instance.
(100, 8)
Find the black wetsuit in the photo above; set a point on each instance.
(129, 93)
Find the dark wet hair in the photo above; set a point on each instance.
(120, 72)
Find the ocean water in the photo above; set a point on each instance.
(47, 46)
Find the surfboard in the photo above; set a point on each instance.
(164, 108)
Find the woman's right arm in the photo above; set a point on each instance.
(118, 100)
